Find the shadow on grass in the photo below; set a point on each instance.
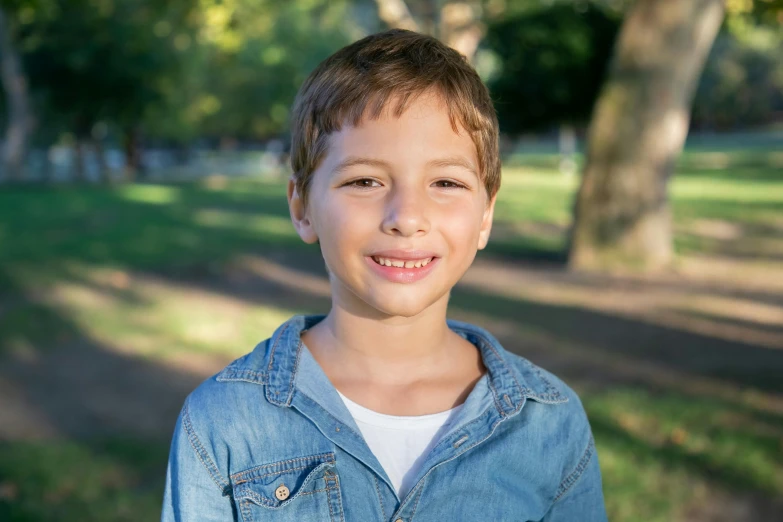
(734, 321)
(84, 430)
(700, 435)
(732, 465)
(760, 247)
(531, 249)
(745, 364)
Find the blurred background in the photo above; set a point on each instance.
(637, 249)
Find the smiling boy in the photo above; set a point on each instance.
(384, 409)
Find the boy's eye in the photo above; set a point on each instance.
(365, 183)
(361, 183)
(452, 184)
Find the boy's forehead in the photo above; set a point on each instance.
(396, 105)
(424, 130)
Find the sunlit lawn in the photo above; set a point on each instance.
(116, 266)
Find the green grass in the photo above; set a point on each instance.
(659, 451)
(99, 480)
(143, 226)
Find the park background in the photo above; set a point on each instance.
(145, 239)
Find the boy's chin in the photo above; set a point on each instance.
(401, 308)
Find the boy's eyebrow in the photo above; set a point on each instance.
(451, 161)
(350, 161)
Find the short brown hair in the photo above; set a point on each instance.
(369, 72)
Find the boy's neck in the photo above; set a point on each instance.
(399, 352)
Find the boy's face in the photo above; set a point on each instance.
(384, 185)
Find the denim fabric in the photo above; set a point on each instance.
(520, 449)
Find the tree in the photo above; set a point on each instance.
(95, 63)
(15, 85)
(462, 24)
(456, 23)
(622, 217)
(256, 54)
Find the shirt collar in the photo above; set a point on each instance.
(275, 361)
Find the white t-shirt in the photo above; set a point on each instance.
(400, 443)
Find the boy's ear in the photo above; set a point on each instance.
(299, 216)
(486, 223)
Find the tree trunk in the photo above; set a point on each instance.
(461, 27)
(395, 14)
(79, 174)
(17, 102)
(457, 24)
(622, 218)
(133, 165)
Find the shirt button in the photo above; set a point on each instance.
(282, 492)
(399, 520)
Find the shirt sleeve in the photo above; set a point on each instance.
(195, 490)
(581, 494)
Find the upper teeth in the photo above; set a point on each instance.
(399, 263)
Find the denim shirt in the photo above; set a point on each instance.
(268, 438)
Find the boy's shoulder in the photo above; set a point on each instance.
(216, 401)
(551, 388)
(553, 406)
(559, 401)
(536, 383)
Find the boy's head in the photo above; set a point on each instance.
(394, 147)
(360, 81)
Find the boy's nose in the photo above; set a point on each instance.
(406, 213)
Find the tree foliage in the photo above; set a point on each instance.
(180, 70)
(742, 84)
(255, 54)
(553, 62)
(102, 60)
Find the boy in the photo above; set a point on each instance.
(384, 410)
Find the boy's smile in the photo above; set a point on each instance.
(398, 209)
(405, 267)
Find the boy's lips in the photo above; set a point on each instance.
(402, 274)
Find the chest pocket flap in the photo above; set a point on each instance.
(296, 489)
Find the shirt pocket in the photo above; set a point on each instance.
(291, 490)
